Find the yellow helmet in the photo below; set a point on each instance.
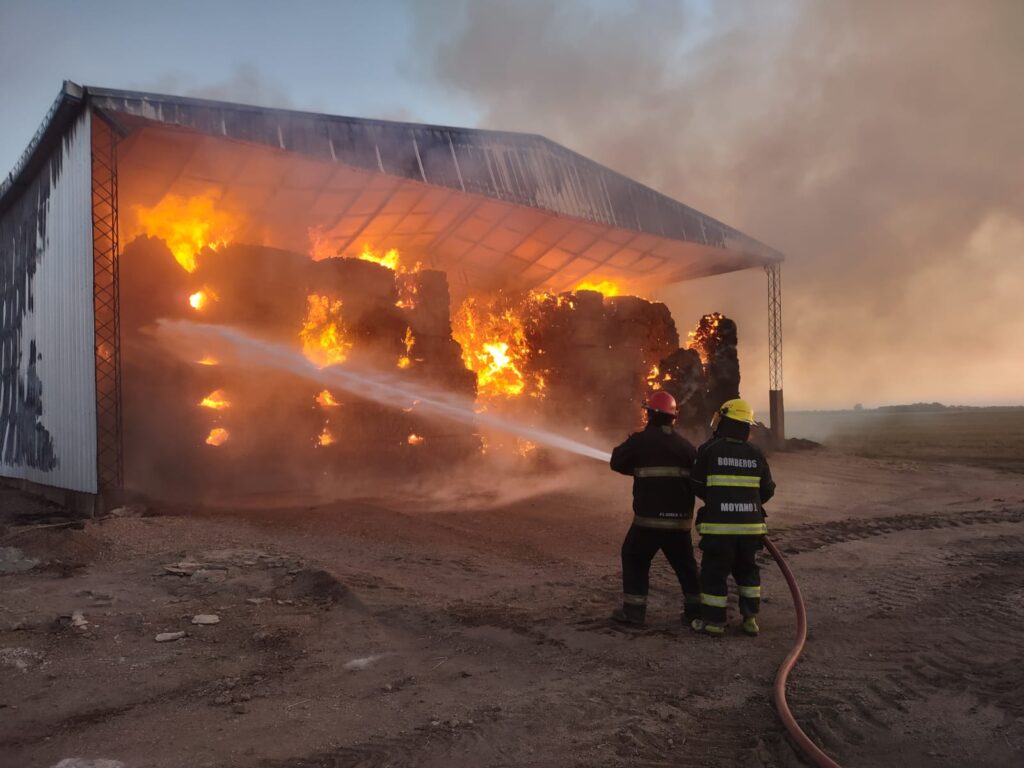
(737, 410)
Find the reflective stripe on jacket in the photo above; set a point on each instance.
(733, 478)
(659, 459)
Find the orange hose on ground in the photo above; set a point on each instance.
(803, 741)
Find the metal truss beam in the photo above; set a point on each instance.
(106, 308)
(775, 403)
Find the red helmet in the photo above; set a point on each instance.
(662, 402)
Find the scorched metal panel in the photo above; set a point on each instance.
(47, 381)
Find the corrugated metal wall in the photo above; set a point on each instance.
(47, 364)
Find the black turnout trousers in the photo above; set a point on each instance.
(640, 547)
(722, 556)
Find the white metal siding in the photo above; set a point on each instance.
(59, 320)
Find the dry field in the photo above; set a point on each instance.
(990, 437)
(393, 631)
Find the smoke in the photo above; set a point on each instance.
(876, 144)
(245, 85)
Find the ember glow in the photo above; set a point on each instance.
(406, 294)
(653, 378)
(325, 438)
(216, 400)
(702, 337)
(217, 436)
(200, 299)
(605, 287)
(188, 225)
(326, 400)
(324, 336)
(406, 360)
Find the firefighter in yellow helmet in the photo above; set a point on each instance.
(732, 476)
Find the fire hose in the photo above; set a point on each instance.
(801, 739)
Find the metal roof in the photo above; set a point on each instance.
(516, 206)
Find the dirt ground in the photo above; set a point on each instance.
(391, 633)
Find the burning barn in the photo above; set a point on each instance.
(501, 267)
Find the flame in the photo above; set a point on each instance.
(494, 347)
(406, 360)
(703, 337)
(605, 287)
(215, 400)
(415, 439)
(389, 259)
(200, 299)
(188, 225)
(325, 437)
(217, 436)
(653, 377)
(324, 335)
(207, 360)
(326, 400)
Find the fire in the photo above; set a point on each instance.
(207, 360)
(653, 378)
(406, 360)
(415, 439)
(702, 338)
(407, 291)
(325, 438)
(215, 400)
(494, 347)
(188, 225)
(200, 299)
(324, 335)
(320, 246)
(217, 436)
(605, 287)
(326, 400)
(389, 259)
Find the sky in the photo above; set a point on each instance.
(877, 145)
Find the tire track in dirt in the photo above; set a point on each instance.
(953, 646)
(804, 538)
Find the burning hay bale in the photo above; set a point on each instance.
(681, 374)
(209, 423)
(716, 340)
(572, 358)
(583, 360)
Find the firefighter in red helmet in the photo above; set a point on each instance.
(659, 460)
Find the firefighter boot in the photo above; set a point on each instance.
(630, 614)
(706, 628)
(750, 626)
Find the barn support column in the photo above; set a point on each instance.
(106, 303)
(776, 409)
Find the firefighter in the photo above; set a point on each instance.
(731, 475)
(659, 459)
